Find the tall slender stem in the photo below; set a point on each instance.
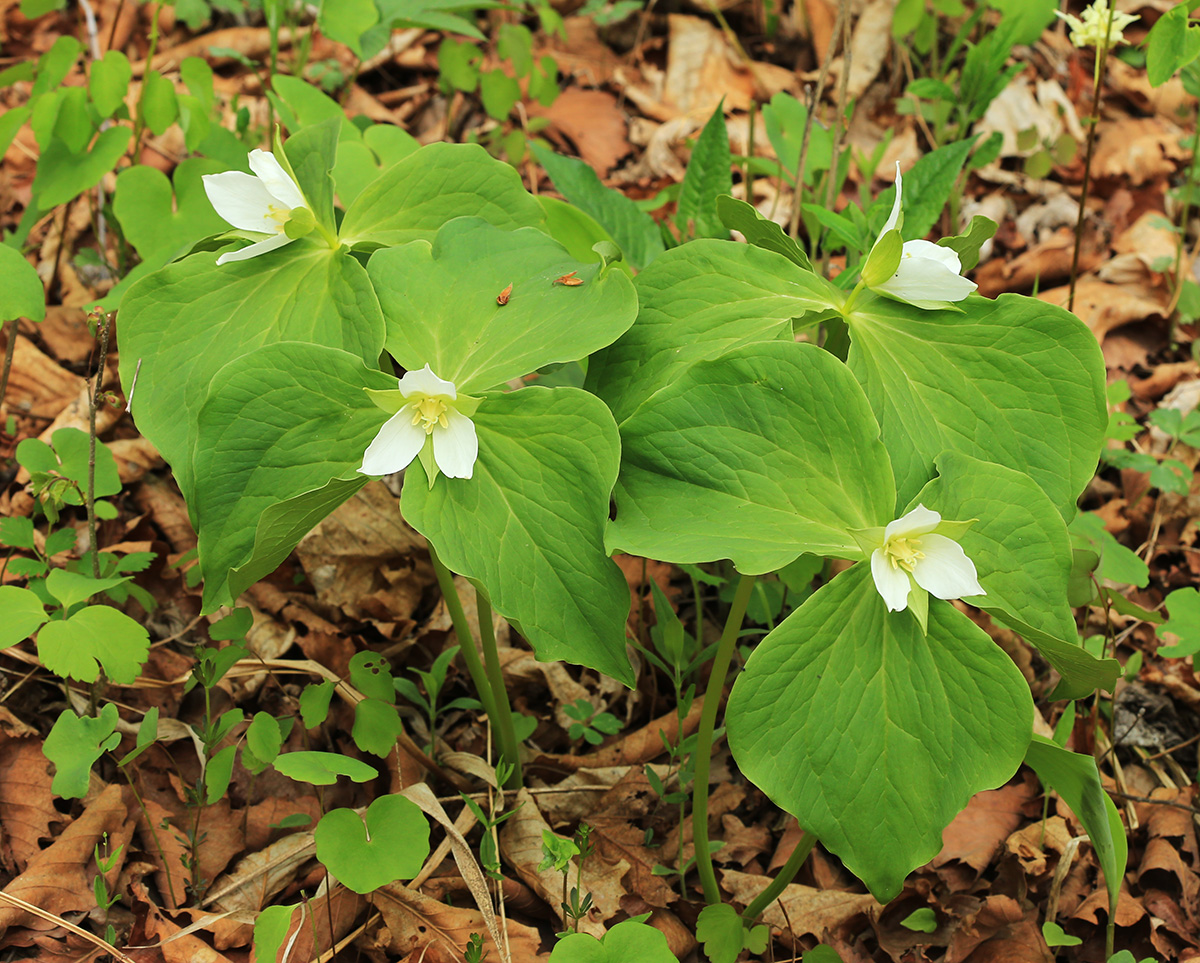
(10, 328)
(704, 738)
(93, 404)
(1183, 221)
(786, 874)
(510, 748)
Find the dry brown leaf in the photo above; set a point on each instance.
(870, 44)
(36, 383)
(176, 948)
(59, 878)
(254, 880)
(810, 911)
(415, 921)
(1137, 149)
(1032, 847)
(521, 848)
(592, 123)
(1104, 307)
(26, 802)
(618, 840)
(134, 457)
(222, 840)
(977, 833)
(583, 54)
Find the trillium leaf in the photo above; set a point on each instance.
(873, 734)
(529, 524)
(764, 454)
(429, 187)
(1022, 553)
(189, 319)
(93, 638)
(279, 443)
(1013, 381)
(23, 296)
(697, 302)
(311, 153)
(441, 304)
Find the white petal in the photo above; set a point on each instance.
(890, 223)
(891, 583)
(255, 249)
(276, 179)
(924, 279)
(917, 522)
(932, 252)
(456, 446)
(242, 200)
(425, 382)
(945, 571)
(395, 446)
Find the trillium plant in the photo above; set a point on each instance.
(549, 409)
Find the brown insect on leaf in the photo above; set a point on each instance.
(502, 297)
(569, 280)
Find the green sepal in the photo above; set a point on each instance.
(918, 604)
(884, 260)
(390, 400)
(431, 467)
(299, 223)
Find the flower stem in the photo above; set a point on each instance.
(510, 748)
(704, 738)
(1183, 224)
(786, 874)
(466, 641)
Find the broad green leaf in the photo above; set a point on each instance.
(264, 737)
(279, 443)
(629, 941)
(1032, 17)
(94, 638)
(314, 702)
(1172, 43)
(63, 174)
(311, 153)
(23, 613)
(967, 244)
(1074, 777)
(529, 524)
(71, 451)
(499, 93)
(922, 920)
(22, 295)
(873, 734)
(1183, 607)
(429, 187)
(10, 123)
(695, 303)
(785, 119)
(721, 931)
(109, 82)
(371, 675)
(54, 65)
(388, 842)
(71, 588)
(1116, 562)
(309, 106)
(74, 744)
(708, 176)
(440, 303)
(189, 319)
(359, 164)
(574, 229)
(273, 923)
(633, 229)
(158, 104)
(322, 768)
(346, 21)
(218, 774)
(1022, 553)
(764, 454)
(757, 230)
(376, 726)
(1014, 381)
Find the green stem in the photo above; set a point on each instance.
(510, 748)
(787, 873)
(466, 641)
(704, 738)
(1183, 224)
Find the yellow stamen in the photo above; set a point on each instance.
(280, 215)
(429, 413)
(903, 552)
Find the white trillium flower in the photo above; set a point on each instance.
(913, 553)
(263, 203)
(429, 415)
(927, 271)
(1094, 30)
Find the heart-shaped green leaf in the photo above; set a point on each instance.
(764, 454)
(624, 943)
(528, 525)
(22, 296)
(63, 174)
(389, 842)
(873, 734)
(442, 303)
(74, 744)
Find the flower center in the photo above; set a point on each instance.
(903, 552)
(280, 215)
(429, 413)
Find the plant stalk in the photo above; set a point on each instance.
(1183, 223)
(704, 738)
(787, 873)
(10, 329)
(510, 748)
(93, 404)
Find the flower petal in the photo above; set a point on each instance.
(891, 583)
(456, 446)
(917, 522)
(276, 179)
(395, 446)
(425, 382)
(242, 200)
(945, 571)
(890, 223)
(933, 252)
(925, 279)
(255, 249)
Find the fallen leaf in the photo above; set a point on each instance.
(26, 802)
(809, 911)
(415, 921)
(976, 834)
